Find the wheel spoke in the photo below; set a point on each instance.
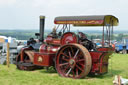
(65, 55)
(66, 68)
(73, 73)
(68, 71)
(65, 59)
(80, 60)
(76, 72)
(72, 50)
(63, 64)
(69, 54)
(76, 53)
(79, 68)
(81, 65)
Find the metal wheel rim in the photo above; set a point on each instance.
(81, 63)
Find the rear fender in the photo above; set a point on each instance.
(100, 60)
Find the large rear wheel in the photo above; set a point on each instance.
(74, 61)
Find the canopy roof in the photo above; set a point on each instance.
(96, 20)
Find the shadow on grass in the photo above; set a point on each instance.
(49, 70)
(110, 74)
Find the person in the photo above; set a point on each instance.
(53, 33)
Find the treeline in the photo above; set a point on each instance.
(117, 37)
(27, 34)
(20, 34)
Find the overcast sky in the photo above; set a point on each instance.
(24, 14)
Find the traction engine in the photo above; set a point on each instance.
(72, 54)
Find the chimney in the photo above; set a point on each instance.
(42, 22)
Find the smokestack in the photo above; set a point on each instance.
(42, 22)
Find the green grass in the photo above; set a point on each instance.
(12, 76)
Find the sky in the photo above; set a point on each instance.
(24, 14)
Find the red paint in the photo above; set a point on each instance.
(68, 37)
(100, 60)
(43, 59)
(22, 53)
(52, 41)
(48, 51)
(48, 48)
(43, 48)
(81, 22)
(49, 39)
(106, 49)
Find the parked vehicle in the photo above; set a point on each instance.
(14, 47)
(72, 55)
(122, 46)
(98, 42)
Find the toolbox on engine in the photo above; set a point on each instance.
(43, 59)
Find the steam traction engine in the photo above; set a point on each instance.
(72, 54)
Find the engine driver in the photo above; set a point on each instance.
(54, 34)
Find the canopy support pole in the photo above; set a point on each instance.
(112, 30)
(103, 37)
(109, 35)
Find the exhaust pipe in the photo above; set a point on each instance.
(42, 22)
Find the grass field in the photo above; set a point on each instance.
(12, 76)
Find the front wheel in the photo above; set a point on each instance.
(73, 61)
(26, 64)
